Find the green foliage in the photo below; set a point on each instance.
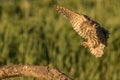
(31, 32)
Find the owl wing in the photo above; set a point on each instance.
(76, 19)
(88, 29)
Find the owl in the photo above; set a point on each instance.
(95, 35)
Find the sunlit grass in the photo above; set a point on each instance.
(31, 32)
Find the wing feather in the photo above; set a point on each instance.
(87, 28)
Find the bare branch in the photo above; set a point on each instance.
(40, 72)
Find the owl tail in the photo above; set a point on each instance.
(67, 13)
(98, 51)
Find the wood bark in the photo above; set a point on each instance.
(40, 72)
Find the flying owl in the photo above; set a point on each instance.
(87, 28)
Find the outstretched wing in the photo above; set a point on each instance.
(88, 29)
(75, 18)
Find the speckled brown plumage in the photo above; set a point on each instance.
(87, 28)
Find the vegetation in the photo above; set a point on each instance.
(31, 32)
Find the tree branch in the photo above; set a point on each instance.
(40, 72)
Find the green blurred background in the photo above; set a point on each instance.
(31, 32)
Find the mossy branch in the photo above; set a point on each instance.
(40, 72)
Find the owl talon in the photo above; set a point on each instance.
(84, 44)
